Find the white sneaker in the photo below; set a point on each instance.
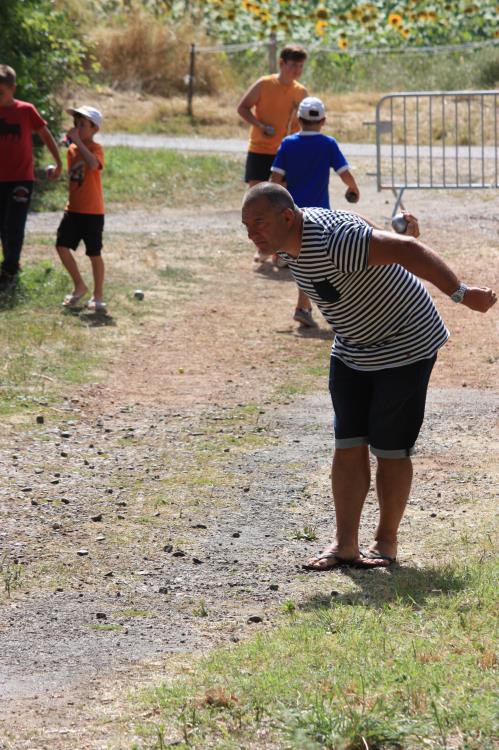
(304, 317)
(96, 305)
(278, 261)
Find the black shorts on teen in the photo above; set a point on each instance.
(258, 167)
(381, 408)
(75, 228)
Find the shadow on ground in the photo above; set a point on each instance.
(407, 584)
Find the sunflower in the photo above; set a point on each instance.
(395, 20)
(342, 42)
(320, 27)
(404, 32)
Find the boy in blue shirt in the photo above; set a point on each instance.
(302, 165)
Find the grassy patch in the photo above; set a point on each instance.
(41, 346)
(106, 628)
(154, 177)
(176, 274)
(404, 660)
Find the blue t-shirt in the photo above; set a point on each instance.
(305, 159)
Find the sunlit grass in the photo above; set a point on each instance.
(405, 663)
(155, 177)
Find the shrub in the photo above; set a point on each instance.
(43, 45)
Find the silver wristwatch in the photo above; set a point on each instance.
(458, 295)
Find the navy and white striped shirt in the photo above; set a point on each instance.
(382, 316)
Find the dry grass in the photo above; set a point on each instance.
(151, 56)
(214, 116)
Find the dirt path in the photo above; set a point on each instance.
(161, 508)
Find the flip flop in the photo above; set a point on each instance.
(339, 561)
(70, 300)
(372, 555)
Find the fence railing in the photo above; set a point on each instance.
(270, 47)
(437, 139)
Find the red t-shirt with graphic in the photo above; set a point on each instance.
(17, 123)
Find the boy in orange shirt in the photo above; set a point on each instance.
(84, 215)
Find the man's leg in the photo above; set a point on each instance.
(351, 477)
(393, 484)
(397, 413)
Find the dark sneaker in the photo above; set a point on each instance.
(7, 280)
(304, 317)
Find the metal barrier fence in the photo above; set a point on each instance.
(437, 139)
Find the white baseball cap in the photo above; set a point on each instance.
(311, 109)
(90, 113)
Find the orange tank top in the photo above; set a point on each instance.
(277, 106)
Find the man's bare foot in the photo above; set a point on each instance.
(331, 558)
(382, 552)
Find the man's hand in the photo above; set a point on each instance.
(479, 299)
(268, 129)
(412, 224)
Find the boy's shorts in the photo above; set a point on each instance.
(258, 167)
(76, 227)
(382, 408)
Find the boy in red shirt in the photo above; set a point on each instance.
(84, 215)
(18, 120)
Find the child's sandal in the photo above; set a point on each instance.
(97, 305)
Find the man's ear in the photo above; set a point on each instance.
(289, 216)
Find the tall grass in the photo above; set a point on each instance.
(152, 55)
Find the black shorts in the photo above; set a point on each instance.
(76, 227)
(258, 167)
(382, 408)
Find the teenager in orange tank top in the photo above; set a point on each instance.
(270, 106)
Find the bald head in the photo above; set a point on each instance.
(272, 220)
(277, 196)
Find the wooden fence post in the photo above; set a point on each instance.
(190, 79)
(272, 53)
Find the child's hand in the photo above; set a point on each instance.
(53, 172)
(73, 135)
(352, 195)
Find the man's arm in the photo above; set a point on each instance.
(48, 140)
(293, 125)
(422, 261)
(249, 100)
(278, 177)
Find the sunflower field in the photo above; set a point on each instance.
(349, 23)
(352, 44)
(342, 24)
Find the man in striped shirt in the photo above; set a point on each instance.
(388, 331)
